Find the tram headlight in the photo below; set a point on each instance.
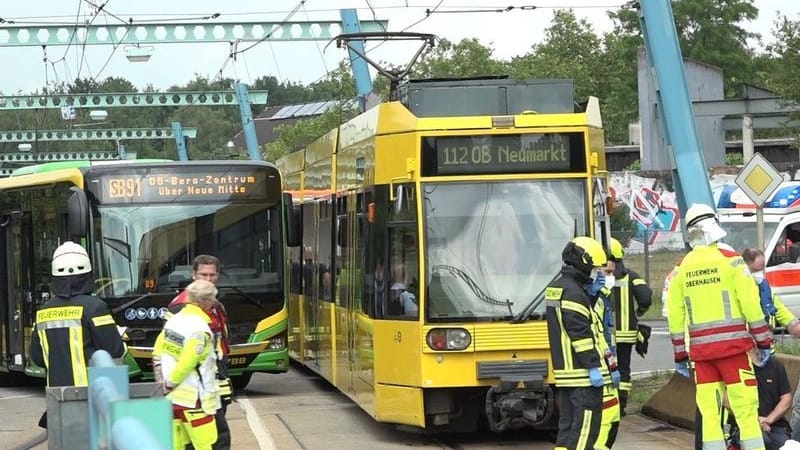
(448, 339)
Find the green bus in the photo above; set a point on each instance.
(143, 222)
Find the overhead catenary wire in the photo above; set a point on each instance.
(319, 49)
(153, 17)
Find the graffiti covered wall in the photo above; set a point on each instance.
(650, 198)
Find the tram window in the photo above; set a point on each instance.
(308, 250)
(404, 206)
(402, 299)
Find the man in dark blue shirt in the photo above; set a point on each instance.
(774, 399)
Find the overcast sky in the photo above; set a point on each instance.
(509, 33)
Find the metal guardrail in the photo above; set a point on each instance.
(116, 421)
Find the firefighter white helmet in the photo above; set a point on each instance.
(70, 259)
(701, 223)
(698, 212)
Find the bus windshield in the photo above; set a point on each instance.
(494, 246)
(149, 248)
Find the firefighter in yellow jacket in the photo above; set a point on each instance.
(713, 296)
(632, 298)
(577, 348)
(184, 361)
(72, 325)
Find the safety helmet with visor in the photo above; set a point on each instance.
(70, 259)
(702, 225)
(585, 254)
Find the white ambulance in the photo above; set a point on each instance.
(737, 215)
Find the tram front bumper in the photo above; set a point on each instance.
(519, 402)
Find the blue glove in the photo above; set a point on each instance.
(615, 378)
(596, 377)
(599, 283)
(682, 368)
(764, 354)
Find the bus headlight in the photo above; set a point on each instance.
(276, 342)
(448, 339)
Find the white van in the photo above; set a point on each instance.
(737, 215)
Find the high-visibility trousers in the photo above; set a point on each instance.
(734, 375)
(579, 415)
(193, 427)
(609, 420)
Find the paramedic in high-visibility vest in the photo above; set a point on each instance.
(713, 296)
(632, 298)
(775, 312)
(185, 362)
(577, 347)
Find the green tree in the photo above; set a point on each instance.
(785, 66)
(710, 31)
(467, 58)
(303, 132)
(571, 49)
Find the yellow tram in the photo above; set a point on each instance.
(430, 228)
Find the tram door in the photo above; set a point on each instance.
(350, 283)
(310, 283)
(15, 289)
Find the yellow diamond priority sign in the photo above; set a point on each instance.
(758, 179)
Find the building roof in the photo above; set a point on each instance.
(274, 116)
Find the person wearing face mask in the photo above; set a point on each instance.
(631, 297)
(775, 312)
(577, 347)
(713, 296)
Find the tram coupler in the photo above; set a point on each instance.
(519, 402)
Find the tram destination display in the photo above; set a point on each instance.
(504, 153)
(166, 186)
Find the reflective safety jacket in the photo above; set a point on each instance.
(784, 317)
(185, 349)
(714, 297)
(66, 334)
(576, 341)
(632, 298)
(605, 328)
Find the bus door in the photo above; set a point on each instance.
(16, 266)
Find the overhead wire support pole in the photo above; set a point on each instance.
(174, 33)
(351, 24)
(180, 141)
(664, 55)
(248, 125)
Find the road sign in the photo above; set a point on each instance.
(758, 179)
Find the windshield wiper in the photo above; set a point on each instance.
(537, 300)
(244, 295)
(473, 286)
(122, 247)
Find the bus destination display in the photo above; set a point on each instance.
(516, 153)
(169, 187)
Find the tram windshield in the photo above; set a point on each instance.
(494, 246)
(149, 248)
